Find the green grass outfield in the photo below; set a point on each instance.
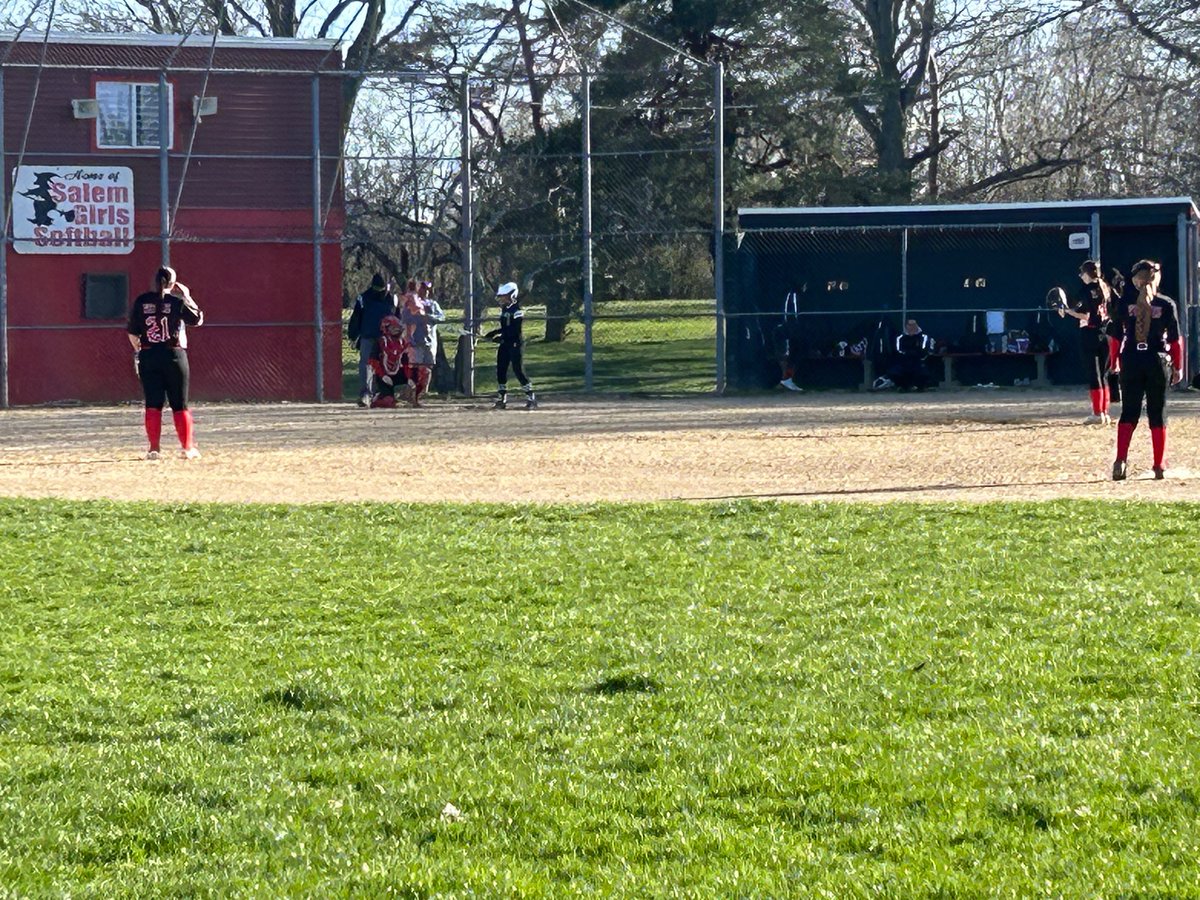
(638, 347)
(745, 699)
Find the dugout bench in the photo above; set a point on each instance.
(1038, 356)
(949, 361)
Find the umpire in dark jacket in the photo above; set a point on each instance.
(363, 329)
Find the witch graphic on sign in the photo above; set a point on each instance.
(43, 203)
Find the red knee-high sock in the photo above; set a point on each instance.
(1124, 436)
(183, 428)
(421, 382)
(1097, 396)
(1158, 440)
(153, 423)
(1104, 399)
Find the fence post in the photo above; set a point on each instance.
(1095, 230)
(165, 121)
(467, 347)
(1192, 303)
(1182, 256)
(719, 217)
(3, 257)
(318, 268)
(586, 160)
(904, 275)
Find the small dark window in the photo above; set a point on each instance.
(105, 296)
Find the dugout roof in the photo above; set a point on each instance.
(832, 274)
(1136, 211)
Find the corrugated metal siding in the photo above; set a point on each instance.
(257, 343)
(261, 120)
(95, 365)
(101, 56)
(243, 232)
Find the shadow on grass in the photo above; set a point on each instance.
(300, 697)
(902, 489)
(625, 684)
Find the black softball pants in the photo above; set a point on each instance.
(1144, 375)
(1093, 343)
(164, 375)
(509, 355)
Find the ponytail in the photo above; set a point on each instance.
(1091, 268)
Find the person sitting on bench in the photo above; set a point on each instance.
(908, 372)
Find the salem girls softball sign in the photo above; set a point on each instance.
(73, 209)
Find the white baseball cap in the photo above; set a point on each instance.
(507, 289)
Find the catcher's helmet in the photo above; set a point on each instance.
(508, 289)
(1056, 299)
(391, 325)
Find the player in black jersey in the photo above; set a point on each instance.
(1151, 357)
(508, 336)
(157, 330)
(1090, 307)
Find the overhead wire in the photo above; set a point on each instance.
(620, 23)
(341, 161)
(6, 212)
(187, 159)
(37, 83)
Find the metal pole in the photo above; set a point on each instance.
(1191, 337)
(1096, 237)
(1181, 252)
(468, 244)
(719, 216)
(318, 318)
(904, 276)
(586, 160)
(1187, 302)
(164, 170)
(3, 257)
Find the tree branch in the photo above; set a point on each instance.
(1157, 37)
(1040, 168)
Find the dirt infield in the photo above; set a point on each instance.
(1002, 445)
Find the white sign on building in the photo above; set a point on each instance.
(72, 209)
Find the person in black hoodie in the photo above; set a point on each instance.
(363, 329)
(908, 371)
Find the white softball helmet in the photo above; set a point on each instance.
(508, 289)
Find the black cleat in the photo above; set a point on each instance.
(1120, 470)
(1159, 474)
(531, 403)
(500, 404)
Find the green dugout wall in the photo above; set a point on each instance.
(852, 273)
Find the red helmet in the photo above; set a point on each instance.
(391, 325)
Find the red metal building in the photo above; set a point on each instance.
(242, 194)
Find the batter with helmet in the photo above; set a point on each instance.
(1151, 358)
(508, 336)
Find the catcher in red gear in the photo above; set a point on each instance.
(389, 363)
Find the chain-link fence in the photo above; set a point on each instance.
(244, 164)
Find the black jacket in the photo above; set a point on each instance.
(369, 309)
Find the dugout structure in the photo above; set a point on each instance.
(217, 155)
(861, 272)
